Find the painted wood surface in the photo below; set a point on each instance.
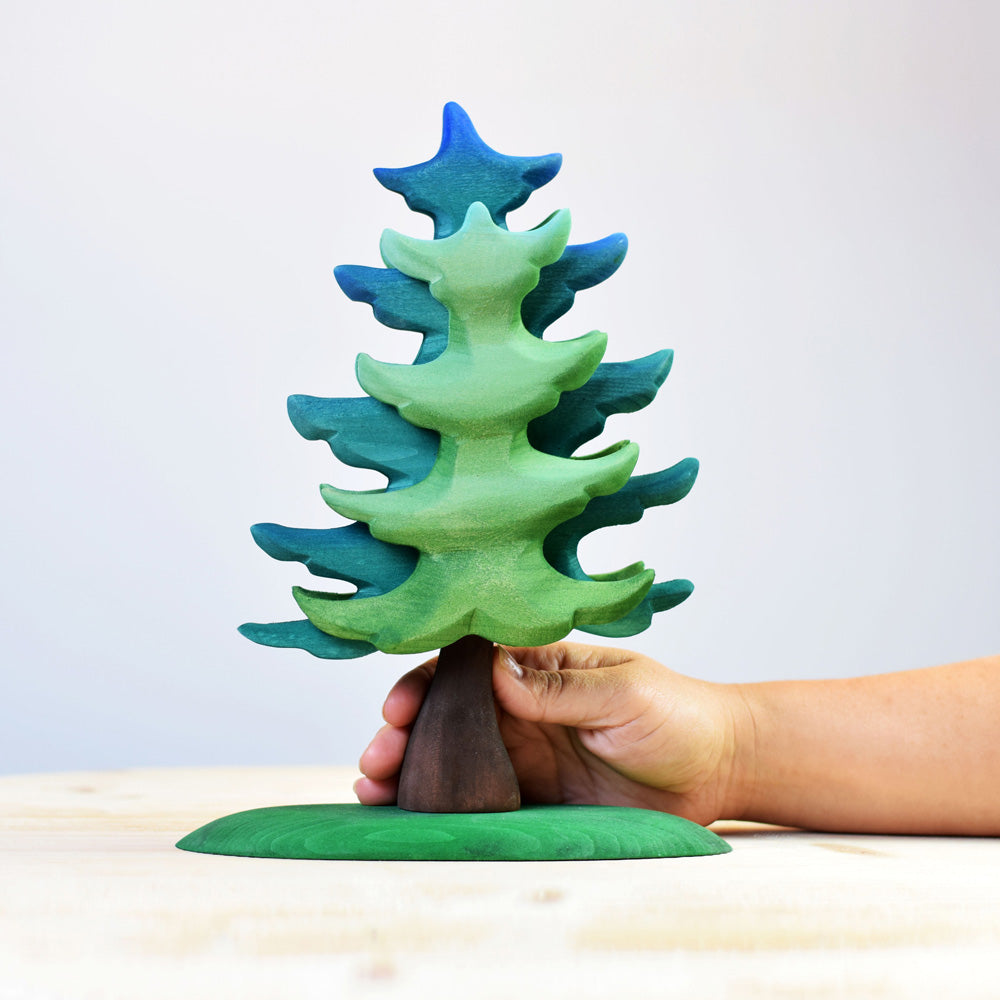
(486, 501)
(344, 831)
(455, 758)
(95, 902)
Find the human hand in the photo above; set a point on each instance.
(588, 724)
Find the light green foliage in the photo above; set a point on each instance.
(479, 519)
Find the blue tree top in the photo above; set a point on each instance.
(465, 170)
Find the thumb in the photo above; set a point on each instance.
(591, 699)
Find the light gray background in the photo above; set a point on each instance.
(811, 196)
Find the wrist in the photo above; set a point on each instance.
(740, 782)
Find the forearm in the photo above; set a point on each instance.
(910, 752)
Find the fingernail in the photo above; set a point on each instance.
(510, 664)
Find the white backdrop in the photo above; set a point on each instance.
(811, 197)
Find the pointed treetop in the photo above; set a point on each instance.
(481, 257)
(466, 170)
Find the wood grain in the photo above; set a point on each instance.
(456, 761)
(351, 832)
(97, 904)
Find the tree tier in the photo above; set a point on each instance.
(497, 385)
(481, 273)
(507, 594)
(484, 490)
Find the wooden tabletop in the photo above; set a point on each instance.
(95, 902)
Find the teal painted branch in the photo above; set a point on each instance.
(625, 507)
(348, 553)
(304, 635)
(581, 266)
(367, 434)
(399, 302)
(616, 387)
(661, 597)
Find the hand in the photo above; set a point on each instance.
(586, 724)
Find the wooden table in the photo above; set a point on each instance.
(95, 902)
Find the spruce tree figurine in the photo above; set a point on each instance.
(474, 539)
(477, 530)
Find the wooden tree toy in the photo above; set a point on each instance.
(474, 539)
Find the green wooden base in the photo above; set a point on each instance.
(386, 833)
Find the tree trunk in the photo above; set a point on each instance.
(455, 759)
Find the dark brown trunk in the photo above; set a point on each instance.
(455, 759)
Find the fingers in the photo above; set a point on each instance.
(384, 755)
(404, 700)
(380, 764)
(579, 696)
(381, 761)
(376, 793)
(569, 655)
(407, 695)
(569, 684)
